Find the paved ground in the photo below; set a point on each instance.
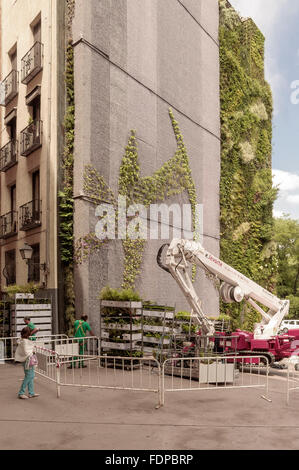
(119, 420)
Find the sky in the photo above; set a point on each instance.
(279, 22)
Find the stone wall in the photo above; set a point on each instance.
(134, 61)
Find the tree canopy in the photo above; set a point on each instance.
(287, 239)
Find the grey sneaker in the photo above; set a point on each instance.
(33, 396)
(23, 396)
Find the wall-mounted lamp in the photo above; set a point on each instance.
(26, 253)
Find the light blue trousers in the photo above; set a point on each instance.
(28, 381)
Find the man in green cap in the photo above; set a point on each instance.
(32, 327)
(80, 330)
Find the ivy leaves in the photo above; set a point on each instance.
(173, 178)
(246, 190)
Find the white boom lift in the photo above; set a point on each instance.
(234, 287)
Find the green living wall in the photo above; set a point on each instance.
(65, 195)
(246, 189)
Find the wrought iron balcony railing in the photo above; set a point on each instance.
(8, 155)
(31, 138)
(9, 88)
(8, 224)
(9, 272)
(31, 63)
(30, 215)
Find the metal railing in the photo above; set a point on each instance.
(30, 215)
(72, 348)
(8, 345)
(31, 137)
(8, 155)
(48, 365)
(31, 63)
(215, 373)
(9, 87)
(113, 373)
(292, 376)
(8, 224)
(74, 362)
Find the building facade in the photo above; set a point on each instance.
(31, 133)
(87, 87)
(133, 61)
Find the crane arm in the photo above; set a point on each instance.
(235, 287)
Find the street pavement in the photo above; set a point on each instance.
(85, 419)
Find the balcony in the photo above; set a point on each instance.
(8, 225)
(9, 272)
(31, 138)
(9, 88)
(31, 63)
(8, 155)
(30, 215)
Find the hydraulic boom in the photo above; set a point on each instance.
(234, 286)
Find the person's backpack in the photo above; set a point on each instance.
(33, 360)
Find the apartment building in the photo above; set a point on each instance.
(31, 133)
(130, 62)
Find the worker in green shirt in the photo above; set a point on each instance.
(80, 330)
(32, 327)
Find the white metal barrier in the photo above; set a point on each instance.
(8, 345)
(215, 373)
(48, 365)
(69, 348)
(116, 373)
(7, 348)
(101, 372)
(145, 374)
(292, 378)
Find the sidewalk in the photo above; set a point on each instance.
(119, 420)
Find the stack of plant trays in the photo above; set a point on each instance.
(4, 319)
(121, 329)
(158, 329)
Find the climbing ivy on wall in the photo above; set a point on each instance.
(172, 178)
(66, 195)
(246, 189)
(66, 203)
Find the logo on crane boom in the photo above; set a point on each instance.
(215, 260)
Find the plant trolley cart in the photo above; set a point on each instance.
(121, 328)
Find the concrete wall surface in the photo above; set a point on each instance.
(133, 61)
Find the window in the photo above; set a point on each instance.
(14, 59)
(36, 195)
(13, 200)
(35, 185)
(35, 104)
(10, 267)
(31, 63)
(37, 31)
(34, 265)
(9, 84)
(12, 129)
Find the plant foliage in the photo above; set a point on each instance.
(246, 189)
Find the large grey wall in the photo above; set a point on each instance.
(133, 60)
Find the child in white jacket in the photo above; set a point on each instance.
(23, 353)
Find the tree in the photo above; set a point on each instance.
(287, 239)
